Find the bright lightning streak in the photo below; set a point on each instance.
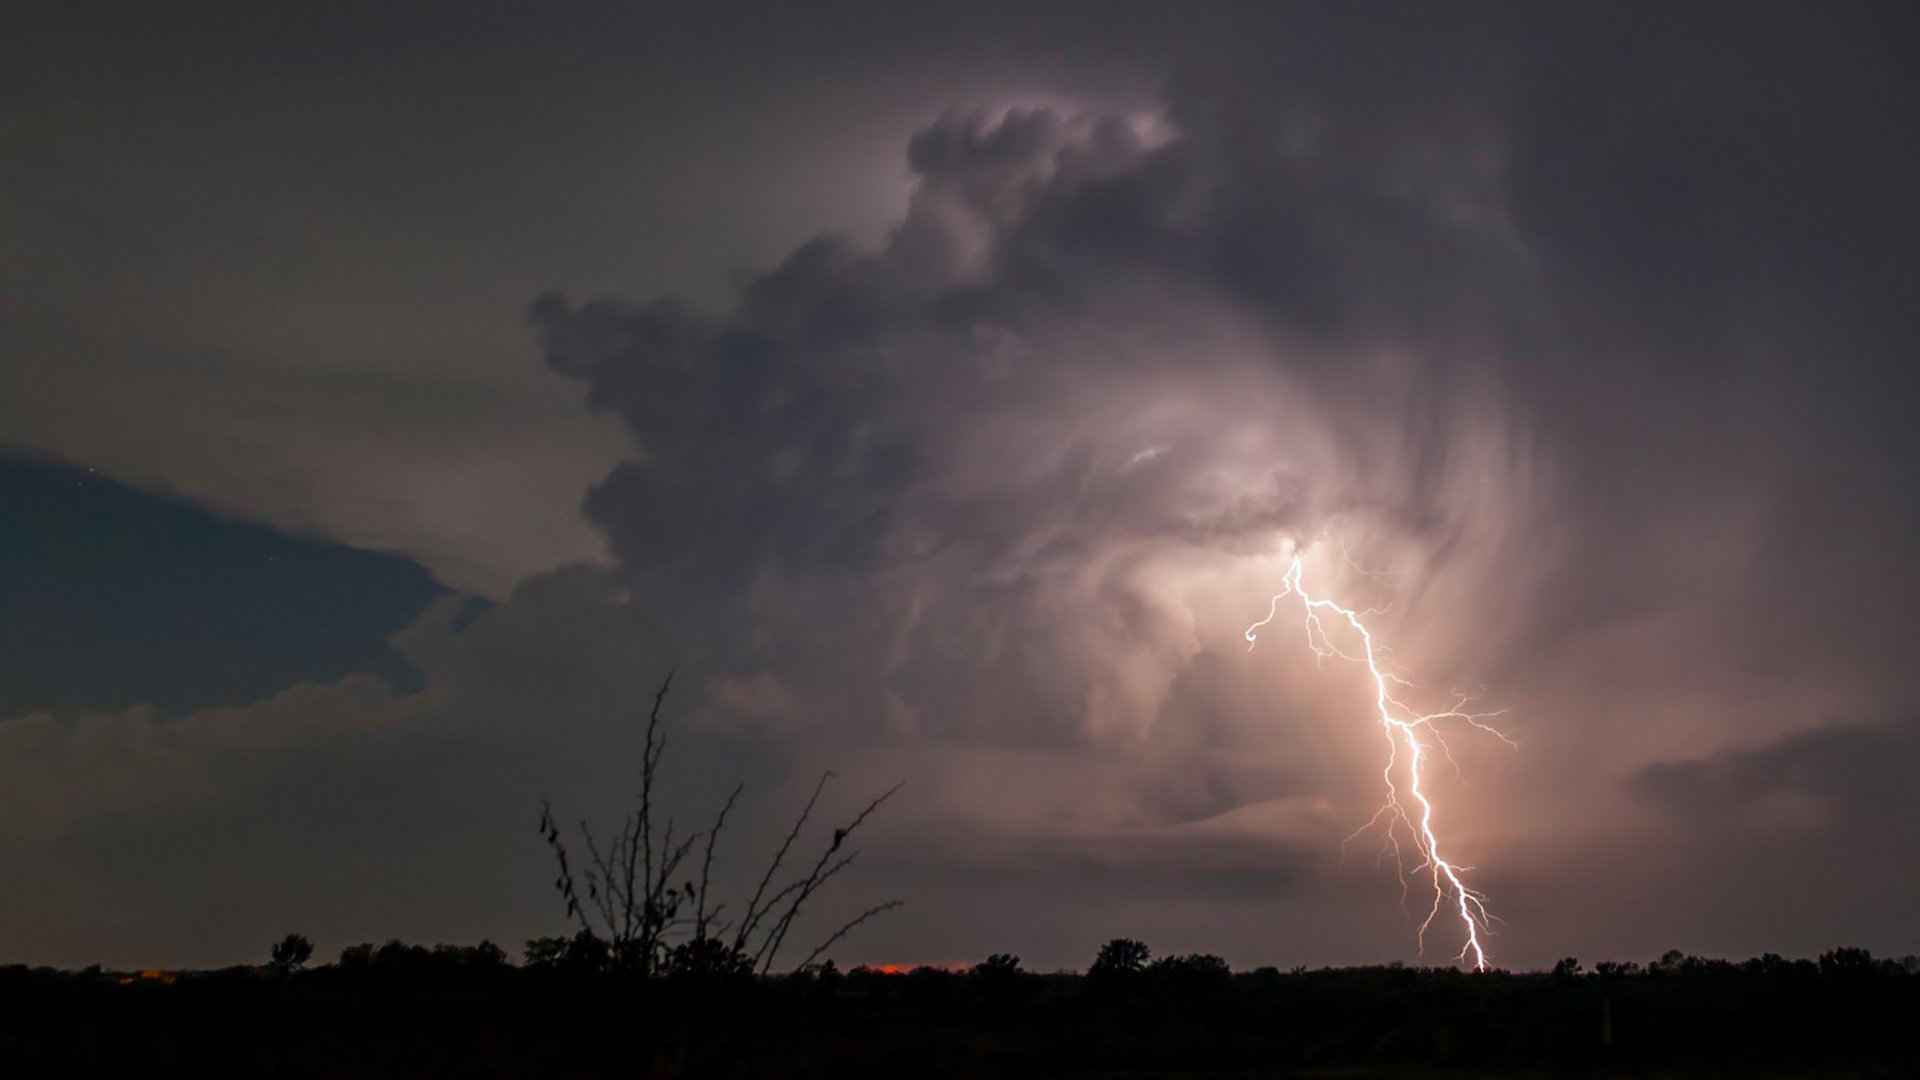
(1402, 727)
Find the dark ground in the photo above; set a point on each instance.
(445, 1014)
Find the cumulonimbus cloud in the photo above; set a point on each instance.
(984, 474)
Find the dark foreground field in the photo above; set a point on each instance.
(440, 1015)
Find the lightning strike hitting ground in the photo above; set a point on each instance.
(1402, 726)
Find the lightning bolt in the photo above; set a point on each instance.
(1404, 728)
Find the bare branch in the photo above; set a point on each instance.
(599, 879)
(754, 911)
(631, 830)
(643, 818)
(564, 883)
(778, 934)
(799, 883)
(842, 932)
(700, 914)
(631, 882)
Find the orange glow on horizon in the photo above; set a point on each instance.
(908, 969)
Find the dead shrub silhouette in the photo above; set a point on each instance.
(636, 902)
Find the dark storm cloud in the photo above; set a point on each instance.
(834, 394)
(1845, 777)
(114, 598)
(1787, 846)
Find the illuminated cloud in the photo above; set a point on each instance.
(1087, 375)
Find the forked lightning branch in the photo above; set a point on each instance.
(1413, 733)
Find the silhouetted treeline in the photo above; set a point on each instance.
(398, 1009)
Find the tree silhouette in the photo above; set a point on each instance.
(1668, 964)
(998, 966)
(1191, 968)
(1846, 961)
(292, 953)
(582, 953)
(707, 958)
(1119, 957)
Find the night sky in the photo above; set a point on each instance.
(391, 395)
